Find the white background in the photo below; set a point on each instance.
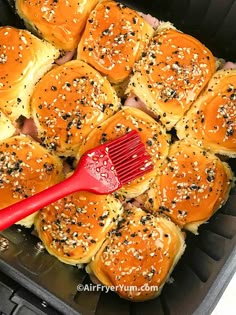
(227, 303)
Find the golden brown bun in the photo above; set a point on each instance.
(68, 103)
(141, 253)
(26, 168)
(211, 121)
(193, 184)
(59, 22)
(113, 39)
(74, 228)
(171, 74)
(7, 129)
(153, 135)
(23, 61)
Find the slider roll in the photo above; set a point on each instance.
(68, 103)
(24, 59)
(171, 74)
(26, 168)
(211, 121)
(139, 256)
(57, 21)
(114, 38)
(6, 127)
(152, 134)
(74, 228)
(192, 186)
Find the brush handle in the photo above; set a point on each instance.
(23, 208)
(84, 178)
(81, 180)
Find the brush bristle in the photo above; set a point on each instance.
(129, 156)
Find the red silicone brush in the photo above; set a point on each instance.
(101, 170)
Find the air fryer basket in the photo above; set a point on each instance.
(210, 259)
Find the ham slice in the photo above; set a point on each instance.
(134, 101)
(67, 169)
(29, 128)
(138, 202)
(67, 56)
(154, 22)
(229, 65)
(94, 279)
